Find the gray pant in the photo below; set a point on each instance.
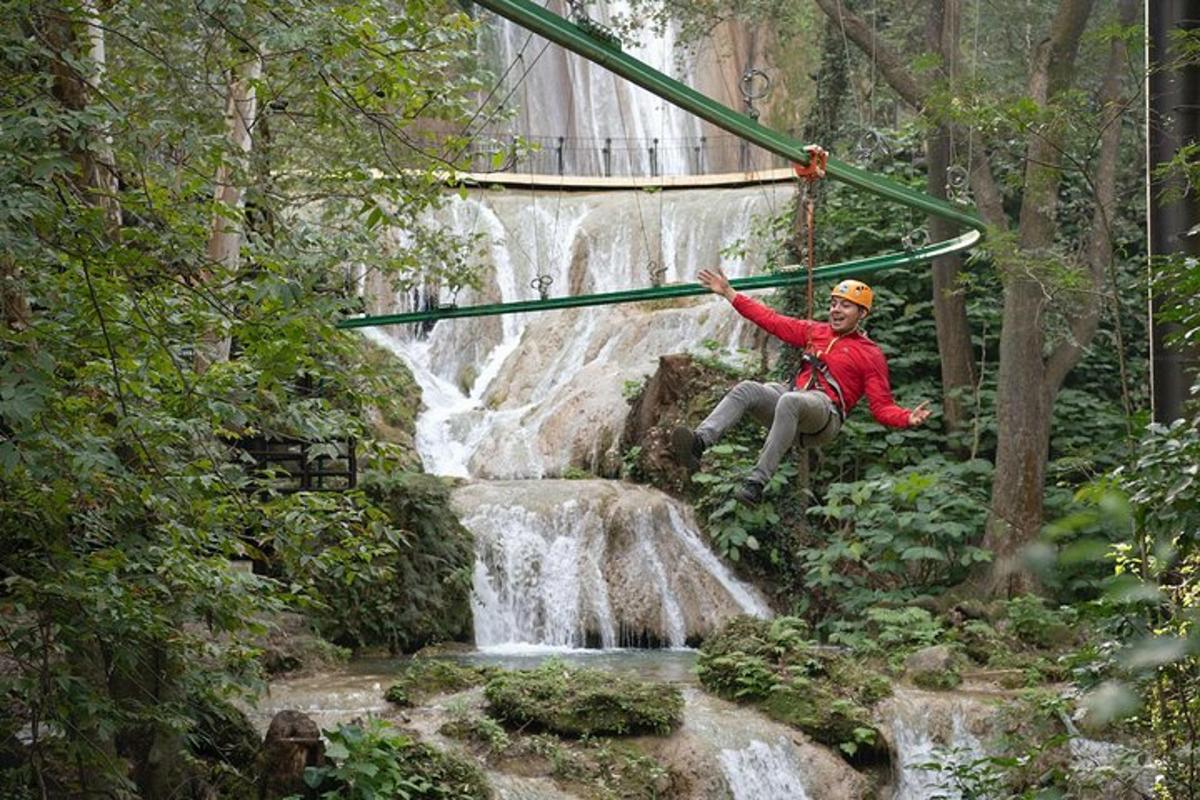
(807, 418)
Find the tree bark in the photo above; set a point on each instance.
(225, 239)
(96, 178)
(1029, 383)
(13, 302)
(955, 353)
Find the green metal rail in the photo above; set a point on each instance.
(784, 277)
(609, 55)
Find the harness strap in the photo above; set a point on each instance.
(820, 367)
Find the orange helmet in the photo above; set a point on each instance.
(856, 292)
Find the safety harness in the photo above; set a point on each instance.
(819, 367)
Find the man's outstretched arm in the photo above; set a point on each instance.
(791, 330)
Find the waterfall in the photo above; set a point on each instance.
(529, 395)
(760, 759)
(591, 562)
(762, 771)
(607, 125)
(938, 730)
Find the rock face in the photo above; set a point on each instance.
(933, 668)
(726, 750)
(593, 563)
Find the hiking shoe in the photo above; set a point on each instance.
(750, 494)
(687, 448)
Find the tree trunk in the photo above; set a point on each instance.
(225, 240)
(78, 66)
(949, 305)
(13, 302)
(1023, 446)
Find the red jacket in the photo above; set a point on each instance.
(855, 362)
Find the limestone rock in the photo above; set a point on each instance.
(591, 561)
(933, 667)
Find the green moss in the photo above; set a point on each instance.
(774, 665)
(978, 640)
(423, 677)
(577, 474)
(573, 701)
(938, 681)
(603, 769)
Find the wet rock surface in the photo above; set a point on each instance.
(579, 562)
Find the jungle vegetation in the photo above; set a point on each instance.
(187, 183)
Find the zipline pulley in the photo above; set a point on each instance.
(657, 273)
(591, 27)
(542, 284)
(870, 144)
(914, 239)
(957, 183)
(810, 173)
(755, 85)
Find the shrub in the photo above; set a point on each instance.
(387, 565)
(1039, 626)
(573, 701)
(422, 677)
(376, 761)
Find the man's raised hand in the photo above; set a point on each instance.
(919, 414)
(715, 281)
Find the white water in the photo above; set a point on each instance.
(760, 759)
(568, 563)
(933, 729)
(529, 395)
(762, 771)
(565, 95)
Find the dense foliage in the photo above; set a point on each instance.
(145, 233)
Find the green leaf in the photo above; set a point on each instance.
(927, 553)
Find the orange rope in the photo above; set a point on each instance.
(811, 172)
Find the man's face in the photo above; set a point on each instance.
(844, 316)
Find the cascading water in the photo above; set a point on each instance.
(526, 397)
(932, 734)
(589, 122)
(593, 562)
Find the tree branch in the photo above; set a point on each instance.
(890, 63)
(1099, 244)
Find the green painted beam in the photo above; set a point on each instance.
(569, 35)
(786, 276)
(606, 54)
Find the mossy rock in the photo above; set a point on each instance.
(834, 721)
(937, 681)
(773, 665)
(573, 701)
(446, 775)
(424, 677)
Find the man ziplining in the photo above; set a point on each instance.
(840, 364)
